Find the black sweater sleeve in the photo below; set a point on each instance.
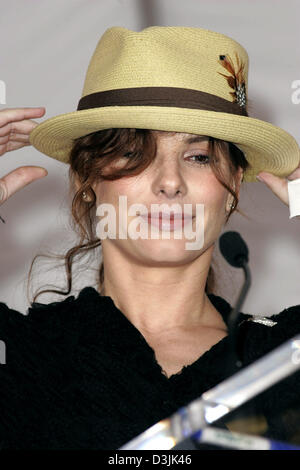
(17, 374)
(274, 413)
(37, 358)
(281, 402)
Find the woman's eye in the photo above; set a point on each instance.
(128, 154)
(200, 159)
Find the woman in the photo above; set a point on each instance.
(162, 120)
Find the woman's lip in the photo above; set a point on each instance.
(167, 223)
(167, 216)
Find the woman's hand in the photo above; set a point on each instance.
(15, 127)
(279, 186)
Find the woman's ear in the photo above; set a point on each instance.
(77, 182)
(238, 180)
(236, 187)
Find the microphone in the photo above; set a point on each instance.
(235, 251)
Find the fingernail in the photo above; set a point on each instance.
(2, 194)
(259, 178)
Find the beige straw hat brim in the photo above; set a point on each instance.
(134, 61)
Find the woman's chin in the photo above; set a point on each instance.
(165, 250)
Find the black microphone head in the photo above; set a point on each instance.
(234, 249)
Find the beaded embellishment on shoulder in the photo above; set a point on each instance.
(263, 320)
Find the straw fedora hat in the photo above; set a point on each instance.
(180, 79)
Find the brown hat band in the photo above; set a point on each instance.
(161, 96)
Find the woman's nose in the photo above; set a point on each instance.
(168, 180)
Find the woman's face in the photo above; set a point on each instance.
(180, 174)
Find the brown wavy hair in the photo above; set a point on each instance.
(92, 158)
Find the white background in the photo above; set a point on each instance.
(45, 47)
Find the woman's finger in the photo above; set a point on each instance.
(295, 175)
(14, 138)
(18, 179)
(277, 185)
(19, 127)
(12, 146)
(10, 115)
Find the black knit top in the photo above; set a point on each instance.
(79, 375)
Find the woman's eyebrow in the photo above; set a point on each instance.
(198, 138)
